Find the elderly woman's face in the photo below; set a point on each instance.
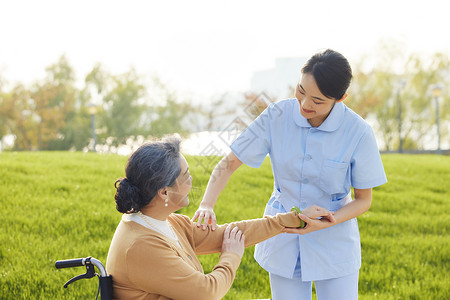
(178, 194)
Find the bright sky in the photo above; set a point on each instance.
(204, 47)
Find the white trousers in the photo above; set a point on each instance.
(342, 288)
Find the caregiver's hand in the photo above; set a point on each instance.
(311, 225)
(315, 212)
(233, 241)
(205, 215)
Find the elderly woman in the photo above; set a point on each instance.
(153, 253)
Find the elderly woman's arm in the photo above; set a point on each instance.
(255, 231)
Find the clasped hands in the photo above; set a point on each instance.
(316, 218)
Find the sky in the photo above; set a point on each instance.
(202, 48)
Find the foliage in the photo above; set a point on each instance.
(52, 102)
(390, 89)
(3, 113)
(16, 113)
(166, 114)
(418, 96)
(52, 114)
(168, 117)
(45, 115)
(397, 93)
(122, 110)
(59, 205)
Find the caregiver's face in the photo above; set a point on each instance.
(314, 106)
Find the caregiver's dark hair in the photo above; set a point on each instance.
(153, 166)
(331, 71)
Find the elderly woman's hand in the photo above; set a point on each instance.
(233, 241)
(315, 212)
(311, 225)
(316, 218)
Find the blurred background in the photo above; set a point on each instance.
(106, 76)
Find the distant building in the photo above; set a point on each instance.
(279, 81)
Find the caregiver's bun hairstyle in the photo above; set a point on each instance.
(332, 73)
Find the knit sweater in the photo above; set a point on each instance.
(145, 264)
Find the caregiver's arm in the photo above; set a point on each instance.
(361, 204)
(219, 179)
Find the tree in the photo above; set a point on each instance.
(123, 108)
(98, 78)
(18, 110)
(98, 83)
(165, 113)
(3, 115)
(45, 116)
(420, 109)
(372, 94)
(396, 93)
(169, 118)
(54, 105)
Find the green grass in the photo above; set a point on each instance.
(58, 205)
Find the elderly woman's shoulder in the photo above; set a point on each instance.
(180, 220)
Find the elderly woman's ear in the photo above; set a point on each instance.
(162, 193)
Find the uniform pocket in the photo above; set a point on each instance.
(273, 207)
(333, 177)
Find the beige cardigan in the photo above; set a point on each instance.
(145, 264)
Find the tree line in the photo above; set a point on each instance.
(52, 113)
(398, 95)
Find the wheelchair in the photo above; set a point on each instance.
(105, 281)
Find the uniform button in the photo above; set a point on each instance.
(189, 257)
(305, 180)
(308, 157)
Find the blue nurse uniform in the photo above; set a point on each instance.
(312, 165)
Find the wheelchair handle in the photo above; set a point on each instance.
(79, 262)
(70, 263)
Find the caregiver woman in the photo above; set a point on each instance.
(319, 149)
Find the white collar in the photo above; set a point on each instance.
(331, 123)
(162, 227)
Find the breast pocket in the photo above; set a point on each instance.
(333, 177)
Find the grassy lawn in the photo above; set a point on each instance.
(58, 205)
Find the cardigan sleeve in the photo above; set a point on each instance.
(255, 231)
(156, 267)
